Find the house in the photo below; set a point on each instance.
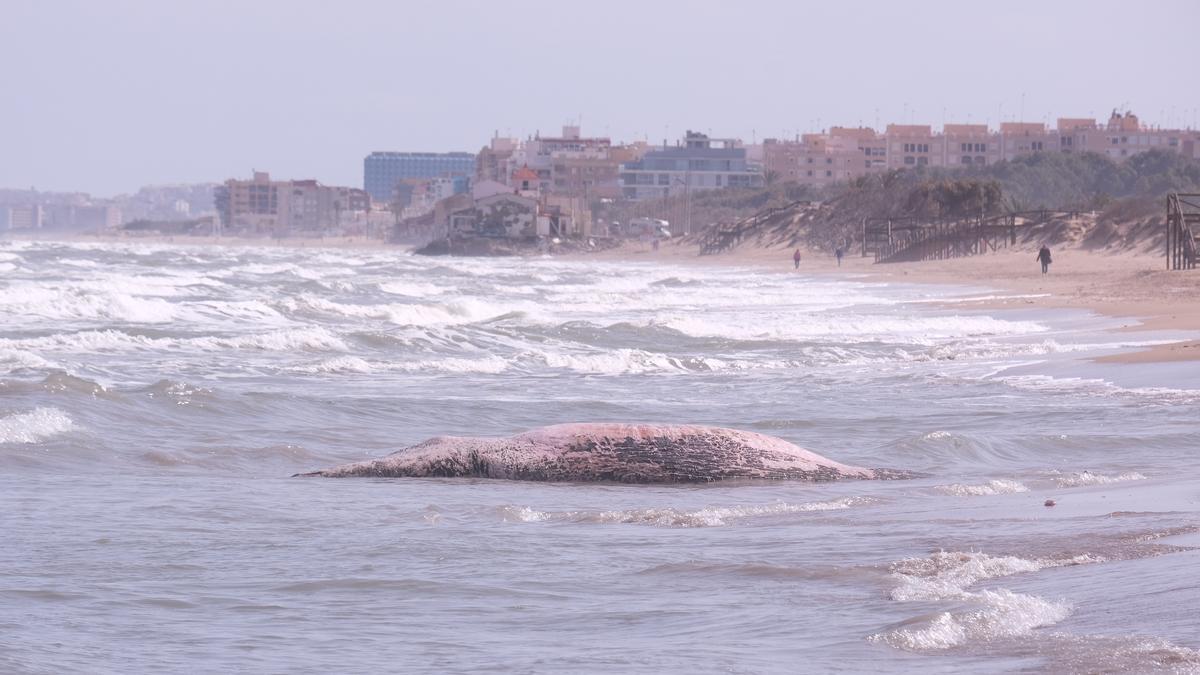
(506, 215)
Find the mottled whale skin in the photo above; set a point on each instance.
(621, 453)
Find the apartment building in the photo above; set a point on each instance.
(845, 153)
(570, 164)
(969, 145)
(698, 163)
(262, 206)
(819, 159)
(382, 171)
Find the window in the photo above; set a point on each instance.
(829, 160)
(810, 173)
(922, 161)
(966, 159)
(1036, 145)
(828, 173)
(981, 160)
(910, 160)
(810, 161)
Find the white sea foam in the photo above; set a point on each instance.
(947, 576)
(34, 426)
(311, 339)
(18, 358)
(997, 486)
(338, 364)
(615, 362)
(412, 289)
(1084, 478)
(1079, 386)
(35, 302)
(851, 328)
(1003, 613)
(712, 516)
(461, 311)
(484, 365)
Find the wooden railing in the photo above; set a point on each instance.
(908, 239)
(1183, 229)
(721, 237)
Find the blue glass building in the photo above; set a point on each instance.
(383, 170)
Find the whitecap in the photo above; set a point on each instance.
(997, 486)
(712, 516)
(1003, 613)
(1084, 478)
(34, 426)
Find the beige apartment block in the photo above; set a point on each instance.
(913, 145)
(262, 206)
(819, 159)
(969, 145)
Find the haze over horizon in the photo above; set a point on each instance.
(108, 96)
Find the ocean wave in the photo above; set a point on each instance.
(73, 304)
(997, 486)
(412, 289)
(1003, 613)
(947, 576)
(1084, 478)
(313, 338)
(488, 365)
(1097, 388)
(339, 364)
(853, 328)
(18, 358)
(672, 517)
(310, 339)
(34, 426)
(462, 311)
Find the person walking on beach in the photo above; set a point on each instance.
(796, 258)
(838, 254)
(1043, 257)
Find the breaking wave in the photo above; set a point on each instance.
(992, 487)
(671, 517)
(34, 426)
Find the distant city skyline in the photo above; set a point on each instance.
(107, 96)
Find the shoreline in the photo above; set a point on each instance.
(1132, 287)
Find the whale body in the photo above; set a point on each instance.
(622, 453)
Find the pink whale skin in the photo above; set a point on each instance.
(621, 453)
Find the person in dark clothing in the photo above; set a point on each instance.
(1043, 257)
(796, 258)
(838, 254)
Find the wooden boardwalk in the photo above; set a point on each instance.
(1183, 230)
(908, 239)
(722, 237)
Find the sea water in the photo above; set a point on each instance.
(155, 400)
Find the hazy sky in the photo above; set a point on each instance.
(107, 95)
